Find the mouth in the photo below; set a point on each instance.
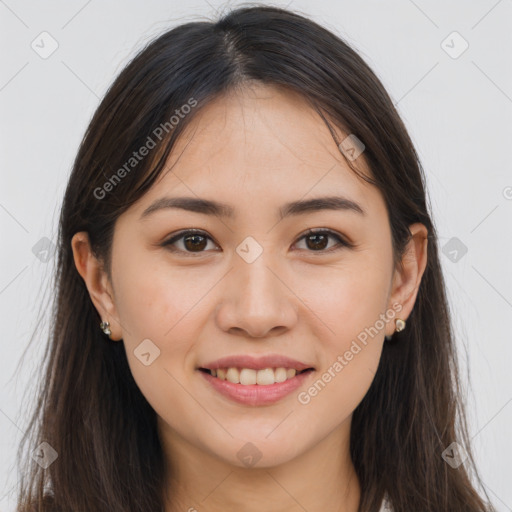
(255, 380)
(251, 376)
(254, 388)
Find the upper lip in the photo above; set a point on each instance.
(257, 363)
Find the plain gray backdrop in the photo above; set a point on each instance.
(447, 66)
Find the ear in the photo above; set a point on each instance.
(408, 274)
(97, 282)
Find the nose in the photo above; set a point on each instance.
(256, 301)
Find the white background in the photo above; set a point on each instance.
(458, 111)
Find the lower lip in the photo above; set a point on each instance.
(256, 394)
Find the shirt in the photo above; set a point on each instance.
(385, 507)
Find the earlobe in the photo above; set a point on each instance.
(408, 275)
(96, 280)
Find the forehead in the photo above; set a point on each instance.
(260, 141)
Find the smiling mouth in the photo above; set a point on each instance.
(249, 376)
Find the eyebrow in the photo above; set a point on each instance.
(211, 207)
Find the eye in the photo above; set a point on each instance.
(196, 241)
(191, 241)
(318, 239)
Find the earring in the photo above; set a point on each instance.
(400, 326)
(105, 327)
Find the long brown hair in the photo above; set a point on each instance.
(90, 410)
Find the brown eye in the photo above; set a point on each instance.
(188, 242)
(318, 241)
(195, 242)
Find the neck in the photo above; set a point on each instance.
(320, 479)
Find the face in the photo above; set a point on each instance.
(308, 289)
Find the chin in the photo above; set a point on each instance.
(258, 451)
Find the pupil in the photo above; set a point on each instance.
(322, 245)
(197, 243)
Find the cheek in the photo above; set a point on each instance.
(337, 390)
(154, 309)
(345, 300)
(350, 303)
(164, 305)
(152, 299)
(350, 349)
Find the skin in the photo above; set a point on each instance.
(255, 149)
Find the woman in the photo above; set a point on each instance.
(250, 310)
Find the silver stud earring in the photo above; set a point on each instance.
(105, 327)
(399, 326)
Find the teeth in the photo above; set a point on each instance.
(280, 374)
(233, 375)
(265, 377)
(290, 373)
(248, 376)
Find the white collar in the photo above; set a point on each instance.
(386, 506)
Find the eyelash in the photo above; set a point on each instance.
(342, 242)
